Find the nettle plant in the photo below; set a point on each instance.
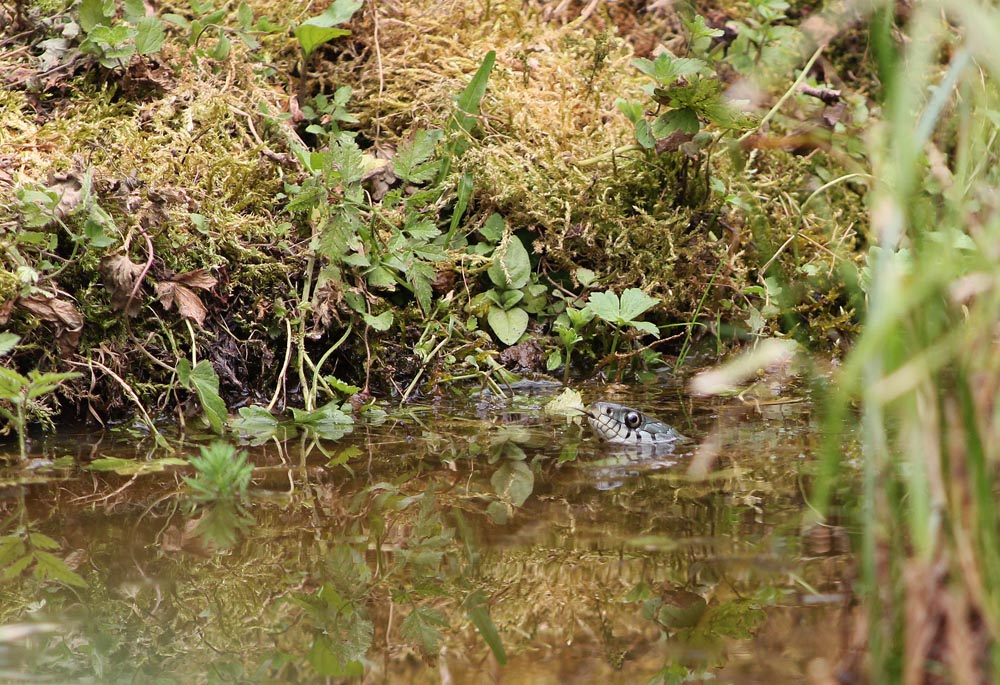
(692, 112)
(116, 42)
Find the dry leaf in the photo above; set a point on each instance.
(68, 320)
(188, 303)
(199, 278)
(119, 274)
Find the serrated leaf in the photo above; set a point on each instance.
(643, 134)
(149, 36)
(421, 626)
(42, 541)
(422, 229)
(684, 120)
(605, 305)
(8, 341)
(55, 568)
(511, 267)
(635, 302)
(508, 325)
(95, 12)
(411, 160)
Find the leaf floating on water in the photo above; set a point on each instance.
(569, 403)
(132, 467)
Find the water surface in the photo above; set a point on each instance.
(456, 542)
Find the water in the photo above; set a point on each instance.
(451, 543)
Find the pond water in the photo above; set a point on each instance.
(471, 542)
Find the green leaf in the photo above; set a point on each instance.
(646, 327)
(382, 322)
(149, 36)
(51, 566)
(605, 305)
(511, 267)
(508, 325)
(421, 626)
(411, 161)
(684, 120)
(206, 386)
(479, 614)
(255, 420)
(222, 48)
(42, 541)
(472, 95)
(131, 467)
(586, 277)
(337, 13)
(8, 341)
(493, 230)
(513, 482)
(632, 110)
(95, 12)
(244, 16)
(634, 302)
(422, 229)
(643, 135)
(311, 36)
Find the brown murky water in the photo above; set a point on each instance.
(468, 543)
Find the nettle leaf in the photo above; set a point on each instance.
(421, 626)
(666, 68)
(508, 324)
(149, 36)
(411, 161)
(52, 567)
(511, 266)
(95, 12)
(8, 341)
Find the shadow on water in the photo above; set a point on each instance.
(452, 544)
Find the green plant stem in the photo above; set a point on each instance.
(787, 94)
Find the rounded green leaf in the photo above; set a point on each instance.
(508, 325)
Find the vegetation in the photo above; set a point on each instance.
(298, 212)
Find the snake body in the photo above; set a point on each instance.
(626, 426)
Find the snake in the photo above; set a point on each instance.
(621, 425)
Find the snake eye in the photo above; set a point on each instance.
(632, 419)
(607, 411)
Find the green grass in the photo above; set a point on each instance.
(925, 369)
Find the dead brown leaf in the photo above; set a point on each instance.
(119, 274)
(68, 320)
(178, 291)
(199, 278)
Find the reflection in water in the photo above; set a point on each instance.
(429, 548)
